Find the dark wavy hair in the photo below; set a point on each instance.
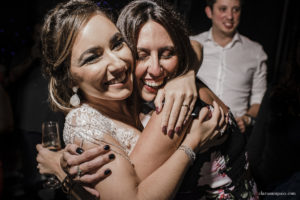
(60, 28)
(138, 12)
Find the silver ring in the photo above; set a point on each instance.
(222, 131)
(186, 105)
(79, 171)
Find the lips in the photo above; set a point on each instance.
(154, 84)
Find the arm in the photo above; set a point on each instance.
(259, 85)
(163, 182)
(178, 92)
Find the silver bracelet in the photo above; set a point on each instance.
(189, 152)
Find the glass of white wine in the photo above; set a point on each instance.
(51, 140)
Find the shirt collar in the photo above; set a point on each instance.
(236, 38)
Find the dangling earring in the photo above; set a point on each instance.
(74, 100)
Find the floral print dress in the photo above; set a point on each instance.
(222, 172)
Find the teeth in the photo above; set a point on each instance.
(117, 80)
(154, 84)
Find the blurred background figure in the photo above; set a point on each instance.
(234, 67)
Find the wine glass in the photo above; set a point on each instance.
(51, 140)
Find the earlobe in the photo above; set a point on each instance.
(208, 12)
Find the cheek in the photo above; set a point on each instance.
(140, 70)
(170, 65)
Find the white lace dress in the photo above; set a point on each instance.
(90, 125)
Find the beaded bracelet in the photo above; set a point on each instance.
(189, 152)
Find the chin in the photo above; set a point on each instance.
(148, 96)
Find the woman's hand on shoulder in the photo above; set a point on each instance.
(176, 102)
(207, 129)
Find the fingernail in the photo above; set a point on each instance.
(108, 171)
(106, 147)
(111, 156)
(157, 110)
(178, 129)
(171, 133)
(79, 150)
(164, 129)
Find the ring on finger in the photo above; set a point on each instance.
(222, 131)
(186, 105)
(79, 172)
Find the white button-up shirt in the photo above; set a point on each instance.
(236, 73)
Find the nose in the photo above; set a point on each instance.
(229, 14)
(154, 67)
(115, 63)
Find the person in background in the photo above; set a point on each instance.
(274, 144)
(234, 67)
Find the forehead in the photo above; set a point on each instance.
(153, 33)
(228, 2)
(96, 31)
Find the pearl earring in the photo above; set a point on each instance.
(74, 100)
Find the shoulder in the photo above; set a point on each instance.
(248, 43)
(200, 37)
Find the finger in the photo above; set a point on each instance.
(95, 177)
(88, 155)
(160, 96)
(222, 119)
(216, 114)
(71, 149)
(90, 166)
(166, 113)
(176, 109)
(203, 114)
(181, 119)
(93, 191)
(39, 147)
(192, 105)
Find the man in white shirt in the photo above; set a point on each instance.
(234, 67)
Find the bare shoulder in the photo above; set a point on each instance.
(208, 97)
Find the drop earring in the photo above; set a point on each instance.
(74, 100)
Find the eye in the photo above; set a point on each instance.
(167, 54)
(142, 56)
(237, 9)
(91, 59)
(118, 44)
(222, 9)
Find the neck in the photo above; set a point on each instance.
(114, 109)
(221, 38)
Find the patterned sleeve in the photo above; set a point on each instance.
(85, 123)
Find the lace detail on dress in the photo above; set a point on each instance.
(89, 124)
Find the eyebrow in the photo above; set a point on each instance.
(94, 49)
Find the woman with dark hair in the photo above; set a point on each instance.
(90, 68)
(218, 172)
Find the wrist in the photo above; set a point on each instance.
(250, 121)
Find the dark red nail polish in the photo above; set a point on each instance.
(178, 129)
(171, 133)
(157, 110)
(164, 129)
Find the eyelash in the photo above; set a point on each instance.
(118, 44)
(90, 59)
(143, 56)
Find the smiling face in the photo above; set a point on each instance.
(225, 16)
(157, 59)
(101, 62)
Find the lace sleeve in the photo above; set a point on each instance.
(85, 123)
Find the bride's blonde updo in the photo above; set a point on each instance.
(61, 26)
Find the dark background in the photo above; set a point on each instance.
(268, 22)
